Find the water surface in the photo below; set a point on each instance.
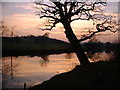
(34, 70)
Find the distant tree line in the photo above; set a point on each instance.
(88, 46)
(100, 47)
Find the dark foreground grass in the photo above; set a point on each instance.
(94, 75)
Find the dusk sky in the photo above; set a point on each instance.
(22, 15)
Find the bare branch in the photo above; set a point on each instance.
(41, 4)
(52, 17)
(83, 8)
(60, 9)
(88, 17)
(72, 4)
(51, 26)
(88, 37)
(80, 19)
(100, 28)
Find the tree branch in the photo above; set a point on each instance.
(41, 4)
(83, 9)
(51, 26)
(59, 5)
(100, 28)
(52, 17)
(72, 4)
(88, 37)
(79, 18)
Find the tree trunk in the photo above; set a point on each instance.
(75, 45)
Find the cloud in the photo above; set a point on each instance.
(22, 15)
(29, 6)
(17, 8)
(22, 21)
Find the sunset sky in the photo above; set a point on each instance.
(22, 15)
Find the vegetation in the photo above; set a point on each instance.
(31, 45)
(100, 47)
(35, 45)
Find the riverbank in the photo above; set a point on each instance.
(94, 75)
(23, 46)
(36, 45)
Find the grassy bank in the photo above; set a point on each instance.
(33, 45)
(94, 75)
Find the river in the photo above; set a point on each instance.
(16, 71)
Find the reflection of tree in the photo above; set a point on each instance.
(8, 69)
(100, 56)
(68, 55)
(43, 61)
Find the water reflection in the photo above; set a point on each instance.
(34, 70)
(100, 56)
(9, 70)
(69, 55)
(44, 60)
(0, 73)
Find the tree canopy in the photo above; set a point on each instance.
(57, 11)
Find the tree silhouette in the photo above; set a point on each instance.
(7, 31)
(67, 11)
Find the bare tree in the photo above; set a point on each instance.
(67, 11)
(7, 31)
